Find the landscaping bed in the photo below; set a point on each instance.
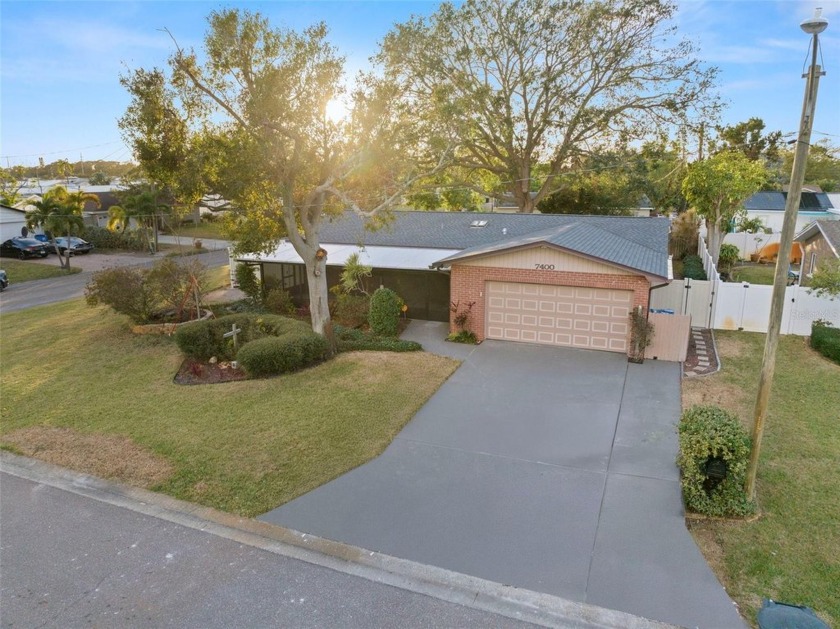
(204, 372)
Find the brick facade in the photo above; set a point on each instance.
(467, 284)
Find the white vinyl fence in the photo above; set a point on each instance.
(741, 306)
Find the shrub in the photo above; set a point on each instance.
(464, 336)
(353, 340)
(729, 255)
(278, 301)
(641, 335)
(246, 280)
(693, 268)
(125, 290)
(385, 309)
(202, 340)
(105, 239)
(826, 340)
(711, 437)
(274, 355)
(352, 310)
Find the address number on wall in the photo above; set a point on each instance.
(544, 267)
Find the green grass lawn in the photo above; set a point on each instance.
(754, 274)
(243, 447)
(792, 552)
(202, 230)
(26, 270)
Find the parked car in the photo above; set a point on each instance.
(23, 248)
(76, 245)
(4, 280)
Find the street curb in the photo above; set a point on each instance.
(472, 592)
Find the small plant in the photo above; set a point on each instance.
(713, 455)
(641, 335)
(693, 268)
(463, 336)
(825, 339)
(385, 309)
(279, 301)
(462, 318)
(729, 255)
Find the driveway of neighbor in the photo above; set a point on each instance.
(550, 469)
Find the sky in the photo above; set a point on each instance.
(60, 61)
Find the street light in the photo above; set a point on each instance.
(813, 27)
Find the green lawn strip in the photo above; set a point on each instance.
(25, 271)
(792, 553)
(754, 274)
(243, 447)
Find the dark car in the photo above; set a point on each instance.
(4, 280)
(76, 245)
(23, 248)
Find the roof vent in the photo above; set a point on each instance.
(478, 224)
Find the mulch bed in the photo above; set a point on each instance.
(197, 372)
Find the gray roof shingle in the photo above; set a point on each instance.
(636, 243)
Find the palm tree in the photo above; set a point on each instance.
(144, 209)
(60, 212)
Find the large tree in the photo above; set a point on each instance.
(717, 188)
(249, 119)
(526, 82)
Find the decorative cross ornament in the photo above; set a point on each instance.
(234, 331)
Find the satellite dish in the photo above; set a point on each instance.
(24, 232)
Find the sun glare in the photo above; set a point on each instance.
(336, 110)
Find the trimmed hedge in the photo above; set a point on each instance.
(826, 340)
(274, 355)
(202, 340)
(708, 434)
(352, 340)
(385, 309)
(693, 268)
(102, 238)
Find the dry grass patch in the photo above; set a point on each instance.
(107, 456)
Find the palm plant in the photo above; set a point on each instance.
(144, 209)
(60, 212)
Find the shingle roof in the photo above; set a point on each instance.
(637, 243)
(775, 201)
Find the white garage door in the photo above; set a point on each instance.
(591, 318)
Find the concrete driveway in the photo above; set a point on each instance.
(545, 468)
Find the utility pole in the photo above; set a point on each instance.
(814, 27)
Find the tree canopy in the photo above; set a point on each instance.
(59, 213)
(526, 82)
(248, 120)
(717, 188)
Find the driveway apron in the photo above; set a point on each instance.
(550, 469)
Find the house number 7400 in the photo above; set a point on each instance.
(544, 267)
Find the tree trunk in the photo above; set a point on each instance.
(319, 306)
(713, 229)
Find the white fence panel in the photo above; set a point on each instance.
(743, 306)
(686, 297)
(802, 309)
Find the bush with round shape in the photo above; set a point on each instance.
(709, 435)
(201, 340)
(273, 355)
(385, 309)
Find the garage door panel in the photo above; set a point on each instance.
(592, 318)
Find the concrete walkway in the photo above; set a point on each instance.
(549, 469)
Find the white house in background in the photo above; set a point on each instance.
(770, 208)
(12, 220)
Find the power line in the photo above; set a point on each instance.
(92, 146)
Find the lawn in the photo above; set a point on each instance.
(80, 390)
(202, 230)
(792, 552)
(26, 271)
(754, 274)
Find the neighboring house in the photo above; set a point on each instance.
(556, 279)
(12, 220)
(770, 208)
(507, 205)
(820, 242)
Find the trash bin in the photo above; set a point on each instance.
(773, 615)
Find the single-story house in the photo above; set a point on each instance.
(820, 241)
(12, 220)
(769, 206)
(556, 279)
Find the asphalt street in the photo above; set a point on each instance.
(41, 292)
